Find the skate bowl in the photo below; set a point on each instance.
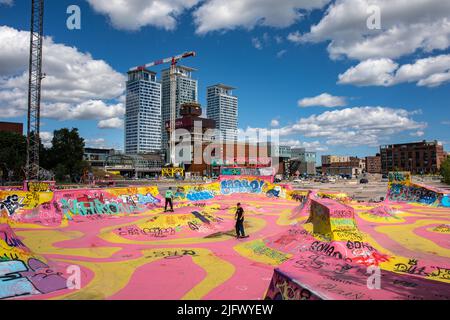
(364, 252)
(402, 189)
(117, 243)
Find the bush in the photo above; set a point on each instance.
(445, 170)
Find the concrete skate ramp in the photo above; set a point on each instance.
(402, 189)
(403, 246)
(328, 281)
(22, 272)
(52, 207)
(332, 219)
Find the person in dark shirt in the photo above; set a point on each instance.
(239, 216)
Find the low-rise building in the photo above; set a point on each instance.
(135, 166)
(334, 165)
(423, 157)
(329, 159)
(96, 156)
(373, 164)
(11, 127)
(303, 162)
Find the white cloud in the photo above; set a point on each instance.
(281, 53)
(135, 14)
(278, 39)
(76, 85)
(377, 72)
(89, 110)
(309, 146)
(323, 100)
(215, 15)
(263, 41)
(46, 138)
(95, 143)
(295, 37)
(348, 127)
(274, 123)
(257, 43)
(419, 133)
(430, 72)
(406, 26)
(113, 123)
(7, 2)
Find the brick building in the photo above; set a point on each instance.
(11, 127)
(337, 165)
(373, 164)
(423, 157)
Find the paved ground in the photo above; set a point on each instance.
(193, 253)
(168, 256)
(365, 192)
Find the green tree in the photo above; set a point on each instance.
(445, 170)
(65, 157)
(13, 154)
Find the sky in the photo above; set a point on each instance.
(337, 77)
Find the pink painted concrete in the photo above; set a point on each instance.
(143, 253)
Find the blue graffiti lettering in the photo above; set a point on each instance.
(241, 186)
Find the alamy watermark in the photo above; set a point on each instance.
(210, 146)
(373, 22)
(374, 280)
(73, 22)
(73, 281)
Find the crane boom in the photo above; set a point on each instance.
(172, 60)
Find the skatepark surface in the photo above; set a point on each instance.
(117, 243)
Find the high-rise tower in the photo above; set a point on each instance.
(143, 113)
(186, 91)
(223, 108)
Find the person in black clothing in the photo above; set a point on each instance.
(240, 233)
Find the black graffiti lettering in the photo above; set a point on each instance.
(194, 226)
(405, 283)
(11, 204)
(442, 273)
(172, 254)
(411, 269)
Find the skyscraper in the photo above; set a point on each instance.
(223, 108)
(143, 113)
(186, 91)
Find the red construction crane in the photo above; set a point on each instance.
(173, 61)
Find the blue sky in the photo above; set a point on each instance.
(394, 83)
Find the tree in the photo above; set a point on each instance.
(13, 154)
(445, 170)
(65, 157)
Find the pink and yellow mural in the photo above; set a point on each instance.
(117, 243)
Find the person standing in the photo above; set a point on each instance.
(239, 216)
(169, 199)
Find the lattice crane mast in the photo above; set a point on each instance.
(34, 90)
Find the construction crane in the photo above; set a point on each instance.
(173, 81)
(34, 90)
